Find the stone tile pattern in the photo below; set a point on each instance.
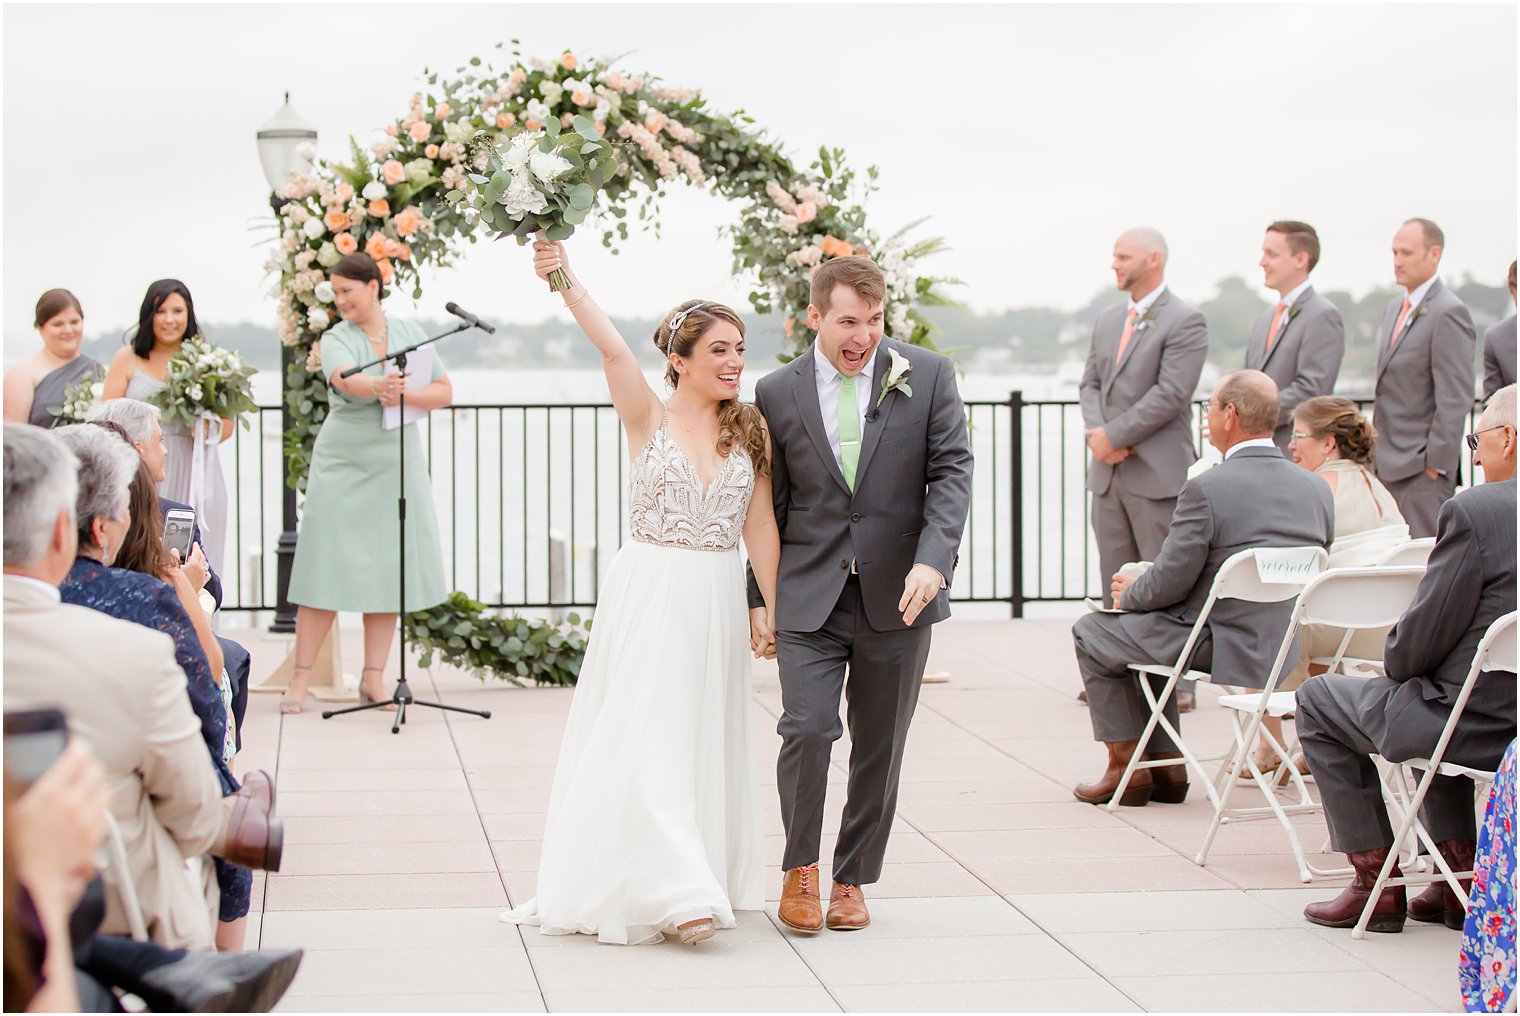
(1001, 893)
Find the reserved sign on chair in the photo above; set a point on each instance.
(1287, 564)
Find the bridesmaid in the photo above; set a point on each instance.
(347, 555)
(165, 319)
(35, 387)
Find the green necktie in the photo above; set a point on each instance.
(849, 430)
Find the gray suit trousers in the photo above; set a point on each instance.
(1105, 648)
(1420, 499)
(1341, 720)
(881, 673)
(1128, 527)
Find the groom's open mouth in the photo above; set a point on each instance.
(853, 357)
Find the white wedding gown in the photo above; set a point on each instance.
(654, 819)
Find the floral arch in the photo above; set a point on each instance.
(404, 201)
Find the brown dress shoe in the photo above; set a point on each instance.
(847, 908)
(1346, 909)
(255, 838)
(1102, 789)
(800, 908)
(1438, 904)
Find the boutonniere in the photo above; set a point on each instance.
(1147, 319)
(1419, 312)
(896, 373)
(1293, 312)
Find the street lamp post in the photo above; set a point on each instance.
(280, 143)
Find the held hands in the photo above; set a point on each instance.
(1103, 449)
(59, 823)
(919, 590)
(762, 633)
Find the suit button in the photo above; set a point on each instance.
(845, 563)
(855, 517)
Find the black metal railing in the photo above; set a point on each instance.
(530, 502)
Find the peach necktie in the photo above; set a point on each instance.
(1272, 330)
(1129, 329)
(1400, 326)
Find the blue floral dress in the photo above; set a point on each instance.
(1486, 964)
(143, 599)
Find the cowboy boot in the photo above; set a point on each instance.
(1438, 904)
(1101, 790)
(1346, 909)
(1170, 782)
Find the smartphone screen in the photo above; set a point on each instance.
(34, 739)
(179, 530)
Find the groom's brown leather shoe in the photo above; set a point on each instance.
(847, 908)
(800, 908)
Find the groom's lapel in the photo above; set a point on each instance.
(805, 390)
(876, 420)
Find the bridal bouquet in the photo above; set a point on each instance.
(205, 381)
(542, 181)
(79, 398)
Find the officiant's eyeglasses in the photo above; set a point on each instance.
(1472, 439)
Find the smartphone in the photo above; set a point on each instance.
(34, 738)
(179, 530)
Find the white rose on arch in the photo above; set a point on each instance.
(324, 291)
(327, 255)
(373, 191)
(538, 111)
(317, 319)
(313, 228)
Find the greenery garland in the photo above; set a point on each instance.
(460, 632)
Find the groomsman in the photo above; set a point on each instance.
(1299, 343)
(1424, 387)
(1499, 349)
(1137, 394)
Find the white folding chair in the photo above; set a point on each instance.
(1237, 579)
(1415, 552)
(1497, 651)
(123, 880)
(1352, 599)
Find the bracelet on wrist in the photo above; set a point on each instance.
(584, 293)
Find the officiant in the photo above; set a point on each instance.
(347, 554)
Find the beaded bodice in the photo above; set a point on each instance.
(668, 507)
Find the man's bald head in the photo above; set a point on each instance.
(1139, 261)
(1148, 238)
(1254, 396)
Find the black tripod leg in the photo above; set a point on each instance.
(329, 713)
(482, 713)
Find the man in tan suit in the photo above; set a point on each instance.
(124, 695)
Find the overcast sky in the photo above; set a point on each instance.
(1031, 134)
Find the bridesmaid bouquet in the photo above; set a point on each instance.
(79, 398)
(205, 381)
(541, 181)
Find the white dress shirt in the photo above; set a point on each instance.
(1417, 295)
(1144, 305)
(829, 384)
(1289, 298)
(1255, 442)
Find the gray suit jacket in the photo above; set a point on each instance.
(1306, 358)
(1499, 356)
(1255, 498)
(1424, 386)
(1469, 583)
(1144, 401)
(912, 491)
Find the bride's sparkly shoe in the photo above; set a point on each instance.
(693, 932)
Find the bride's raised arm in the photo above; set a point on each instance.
(637, 404)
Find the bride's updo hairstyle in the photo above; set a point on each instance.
(1333, 416)
(738, 422)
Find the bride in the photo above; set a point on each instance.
(654, 820)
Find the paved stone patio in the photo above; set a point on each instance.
(1000, 893)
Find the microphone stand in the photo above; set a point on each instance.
(402, 696)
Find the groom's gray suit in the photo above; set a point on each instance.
(844, 557)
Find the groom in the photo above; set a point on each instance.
(871, 472)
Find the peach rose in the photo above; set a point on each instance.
(345, 243)
(387, 270)
(390, 129)
(518, 76)
(568, 61)
(834, 247)
(345, 193)
(418, 131)
(506, 120)
(406, 252)
(431, 151)
(392, 248)
(336, 220)
(407, 221)
(379, 208)
(532, 125)
(654, 121)
(616, 80)
(375, 248)
(442, 111)
(806, 211)
(393, 171)
(581, 98)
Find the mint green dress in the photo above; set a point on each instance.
(346, 550)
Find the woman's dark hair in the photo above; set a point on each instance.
(361, 268)
(142, 339)
(55, 302)
(143, 549)
(1333, 416)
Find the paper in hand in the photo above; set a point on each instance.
(419, 372)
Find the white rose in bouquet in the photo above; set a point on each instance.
(521, 150)
(324, 291)
(548, 166)
(373, 191)
(522, 196)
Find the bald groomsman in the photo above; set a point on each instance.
(1424, 387)
(1499, 349)
(1299, 343)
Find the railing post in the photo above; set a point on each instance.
(285, 551)
(1016, 505)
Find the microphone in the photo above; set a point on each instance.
(468, 318)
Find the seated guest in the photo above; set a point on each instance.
(124, 694)
(1254, 498)
(55, 958)
(1468, 584)
(139, 423)
(110, 477)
